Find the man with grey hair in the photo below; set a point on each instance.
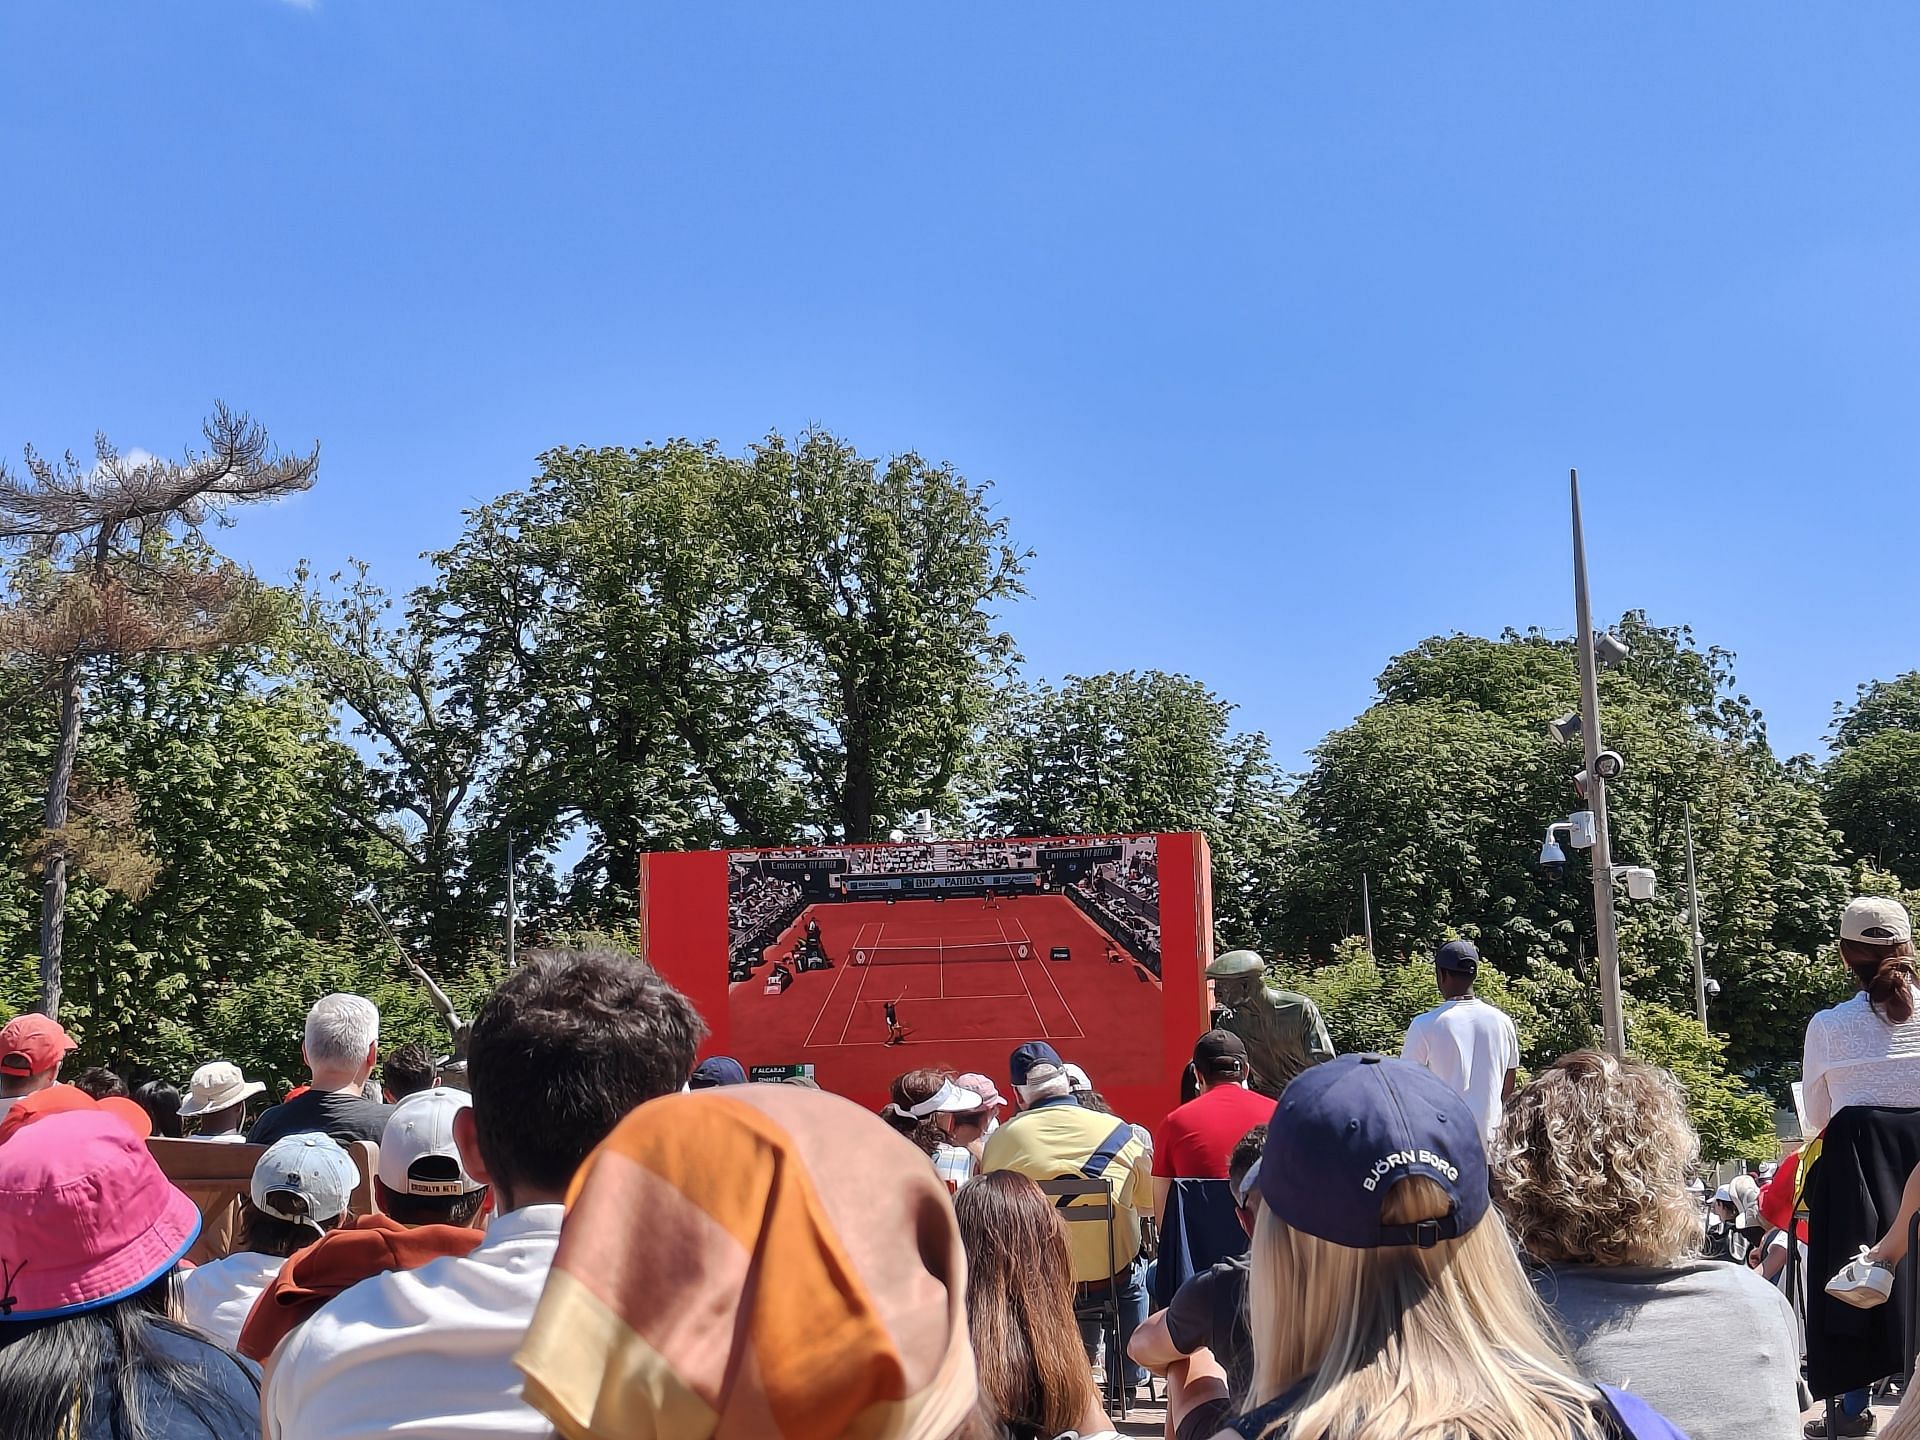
(341, 1049)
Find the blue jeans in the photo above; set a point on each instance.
(1130, 1288)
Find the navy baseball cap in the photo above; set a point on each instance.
(1346, 1131)
(1034, 1052)
(718, 1070)
(1459, 956)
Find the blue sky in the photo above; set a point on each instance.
(1276, 326)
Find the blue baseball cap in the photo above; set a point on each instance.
(1459, 956)
(1035, 1052)
(717, 1070)
(1347, 1131)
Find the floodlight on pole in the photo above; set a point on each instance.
(1566, 729)
(1609, 649)
(1606, 935)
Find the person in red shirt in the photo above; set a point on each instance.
(1196, 1140)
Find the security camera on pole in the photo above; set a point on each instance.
(1606, 934)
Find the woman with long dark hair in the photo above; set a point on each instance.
(161, 1101)
(90, 1235)
(1033, 1369)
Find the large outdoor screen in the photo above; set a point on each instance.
(853, 963)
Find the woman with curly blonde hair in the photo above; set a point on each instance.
(1591, 1173)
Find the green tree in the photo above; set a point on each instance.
(697, 649)
(235, 786)
(1872, 782)
(1733, 1121)
(115, 572)
(1441, 791)
(1143, 751)
(425, 727)
(1368, 1005)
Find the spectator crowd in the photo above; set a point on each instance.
(583, 1232)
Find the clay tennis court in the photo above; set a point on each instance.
(968, 979)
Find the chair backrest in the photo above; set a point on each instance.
(366, 1160)
(215, 1177)
(218, 1177)
(1081, 1201)
(1086, 1199)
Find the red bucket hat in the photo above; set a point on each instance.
(86, 1217)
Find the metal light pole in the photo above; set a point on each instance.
(1696, 941)
(1606, 935)
(511, 917)
(1366, 909)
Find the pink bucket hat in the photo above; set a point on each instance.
(86, 1217)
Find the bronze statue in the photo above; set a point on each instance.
(1283, 1032)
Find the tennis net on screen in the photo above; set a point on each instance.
(937, 952)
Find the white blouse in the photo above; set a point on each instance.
(1856, 1056)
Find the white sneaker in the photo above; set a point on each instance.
(1862, 1283)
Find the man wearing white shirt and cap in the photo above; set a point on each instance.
(1465, 1041)
(217, 1097)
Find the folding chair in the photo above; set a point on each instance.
(1084, 1202)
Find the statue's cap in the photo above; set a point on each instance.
(1236, 963)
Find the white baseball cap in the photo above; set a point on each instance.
(417, 1153)
(1077, 1078)
(311, 1166)
(217, 1085)
(1876, 920)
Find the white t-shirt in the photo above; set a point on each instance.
(1471, 1045)
(217, 1297)
(424, 1353)
(1856, 1056)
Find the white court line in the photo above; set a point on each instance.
(861, 988)
(846, 963)
(1021, 971)
(1080, 1031)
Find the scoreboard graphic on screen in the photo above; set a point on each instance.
(853, 963)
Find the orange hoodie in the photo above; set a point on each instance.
(370, 1245)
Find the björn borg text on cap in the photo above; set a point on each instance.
(1347, 1131)
(1876, 920)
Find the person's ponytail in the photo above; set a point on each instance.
(1886, 973)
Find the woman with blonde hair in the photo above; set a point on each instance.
(1591, 1173)
(1385, 1298)
(1026, 1345)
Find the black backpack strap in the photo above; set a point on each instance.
(1095, 1165)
